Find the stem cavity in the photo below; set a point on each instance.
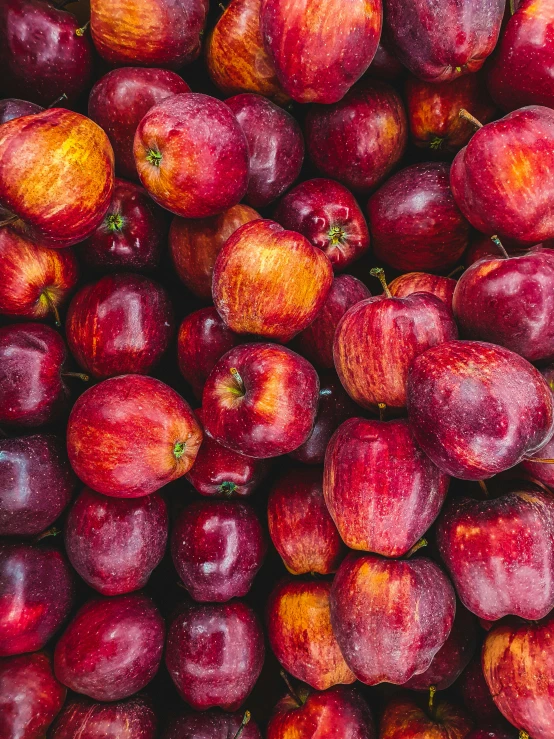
(379, 272)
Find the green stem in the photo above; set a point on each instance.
(52, 307)
(379, 272)
(78, 375)
(416, 547)
(81, 31)
(245, 720)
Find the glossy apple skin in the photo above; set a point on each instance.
(119, 101)
(215, 654)
(453, 657)
(202, 340)
(281, 277)
(275, 414)
(201, 164)
(518, 664)
(83, 718)
(131, 235)
(477, 409)
(42, 52)
(423, 282)
(359, 140)
(433, 111)
(59, 198)
(510, 302)
(500, 552)
(414, 221)
(377, 339)
(195, 244)
(235, 54)
(11, 108)
(214, 724)
(275, 144)
(314, 63)
(300, 525)
(404, 718)
(217, 548)
(129, 436)
(373, 601)
(33, 276)
(300, 633)
(31, 388)
(321, 713)
(327, 214)
(112, 648)
(467, 35)
(114, 543)
(316, 341)
(149, 33)
(36, 586)
(221, 472)
(476, 695)
(123, 323)
(480, 171)
(381, 490)
(334, 407)
(30, 696)
(36, 483)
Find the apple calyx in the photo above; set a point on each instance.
(239, 390)
(245, 719)
(417, 546)
(227, 488)
(336, 235)
(49, 300)
(154, 157)
(379, 272)
(291, 691)
(179, 449)
(81, 31)
(114, 222)
(496, 241)
(436, 143)
(470, 118)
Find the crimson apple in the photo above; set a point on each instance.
(214, 724)
(406, 718)
(86, 719)
(385, 65)
(11, 108)
(129, 436)
(492, 732)
(423, 282)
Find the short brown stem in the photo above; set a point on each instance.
(245, 719)
(500, 246)
(540, 460)
(416, 547)
(59, 100)
(432, 691)
(81, 31)
(382, 408)
(470, 118)
(379, 272)
(456, 271)
(79, 375)
(292, 692)
(52, 307)
(483, 487)
(53, 531)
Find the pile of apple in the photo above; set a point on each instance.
(277, 369)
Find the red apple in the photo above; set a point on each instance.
(114, 543)
(476, 695)
(313, 62)
(129, 436)
(112, 648)
(217, 548)
(477, 409)
(36, 483)
(385, 65)
(83, 718)
(359, 140)
(300, 633)
(122, 323)
(414, 221)
(373, 605)
(327, 214)
(191, 155)
(300, 525)
(36, 596)
(423, 282)
(381, 490)
(260, 400)
(149, 33)
(406, 718)
(492, 732)
(11, 108)
(214, 724)
(282, 278)
(215, 654)
(195, 244)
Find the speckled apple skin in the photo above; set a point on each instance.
(214, 724)
(423, 282)
(86, 719)
(405, 718)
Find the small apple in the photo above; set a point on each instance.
(423, 282)
(11, 108)
(214, 724)
(406, 718)
(130, 719)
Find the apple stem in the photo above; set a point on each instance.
(8, 220)
(53, 531)
(483, 487)
(470, 118)
(292, 692)
(245, 720)
(512, 11)
(496, 241)
(418, 545)
(61, 6)
(62, 97)
(52, 307)
(238, 379)
(80, 375)
(432, 691)
(539, 460)
(81, 31)
(379, 272)
(456, 271)
(382, 408)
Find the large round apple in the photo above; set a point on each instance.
(130, 435)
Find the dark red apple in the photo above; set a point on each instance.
(477, 409)
(414, 221)
(316, 341)
(423, 282)
(377, 339)
(408, 718)
(192, 155)
(114, 543)
(215, 653)
(492, 732)
(313, 62)
(214, 724)
(260, 400)
(300, 525)
(385, 65)
(381, 490)
(373, 605)
(132, 234)
(30, 696)
(129, 436)
(123, 323)
(217, 548)
(119, 101)
(275, 145)
(359, 140)
(36, 596)
(112, 648)
(11, 108)
(36, 483)
(85, 719)
(327, 214)
(202, 340)
(476, 695)
(43, 52)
